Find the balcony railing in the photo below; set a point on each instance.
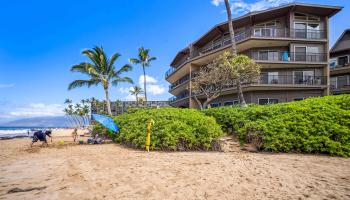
(170, 71)
(179, 82)
(258, 33)
(292, 80)
(265, 79)
(287, 56)
(176, 98)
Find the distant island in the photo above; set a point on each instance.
(59, 121)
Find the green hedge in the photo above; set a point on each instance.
(174, 129)
(314, 125)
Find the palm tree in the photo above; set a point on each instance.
(230, 25)
(234, 50)
(100, 70)
(145, 60)
(136, 90)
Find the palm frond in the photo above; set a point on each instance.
(122, 80)
(113, 59)
(152, 59)
(93, 57)
(134, 61)
(125, 68)
(84, 68)
(81, 83)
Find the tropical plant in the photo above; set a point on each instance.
(227, 70)
(210, 81)
(145, 60)
(244, 70)
(174, 129)
(100, 70)
(136, 90)
(314, 125)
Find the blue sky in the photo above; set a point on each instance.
(41, 40)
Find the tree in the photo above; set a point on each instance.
(244, 70)
(100, 70)
(228, 70)
(145, 60)
(210, 81)
(136, 90)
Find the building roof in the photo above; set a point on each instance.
(321, 10)
(343, 42)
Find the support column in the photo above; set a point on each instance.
(190, 88)
(326, 69)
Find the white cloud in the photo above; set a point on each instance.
(7, 86)
(149, 79)
(37, 110)
(217, 2)
(125, 90)
(129, 97)
(155, 89)
(241, 7)
(152, 85)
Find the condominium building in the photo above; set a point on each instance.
(289, 42)
(339, 64)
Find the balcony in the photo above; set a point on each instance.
(292, 80)
(257, 33)
(286, 56)
(177, 98)
(181, 81)
(275, 80)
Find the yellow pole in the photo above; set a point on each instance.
(148, 138)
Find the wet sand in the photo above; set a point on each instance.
(111, 171)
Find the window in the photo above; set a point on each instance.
(300, 16)
(303, 77)
(231, 103)
(214, 105)
(266, 55)
(342, 81)
(299, 99)
(300, 30)
(267, 29)
(306, 17)
(267, 101)
(269, 78)
(333, 82)
(307, 30)
(343, 60)
(228, 103)
(313, 54)
(300, 53)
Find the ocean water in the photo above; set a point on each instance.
(17, 132)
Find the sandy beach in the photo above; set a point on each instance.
(111, 171)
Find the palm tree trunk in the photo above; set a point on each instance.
(240, 95)
(108, 102)
(144, 83)
(137, 101)
(232, 33)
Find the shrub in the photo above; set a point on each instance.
(101, 131)
(315, 125)
(174, 129)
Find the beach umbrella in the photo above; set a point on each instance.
(106, 122)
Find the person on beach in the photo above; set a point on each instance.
(75, 134)
(40, 135)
